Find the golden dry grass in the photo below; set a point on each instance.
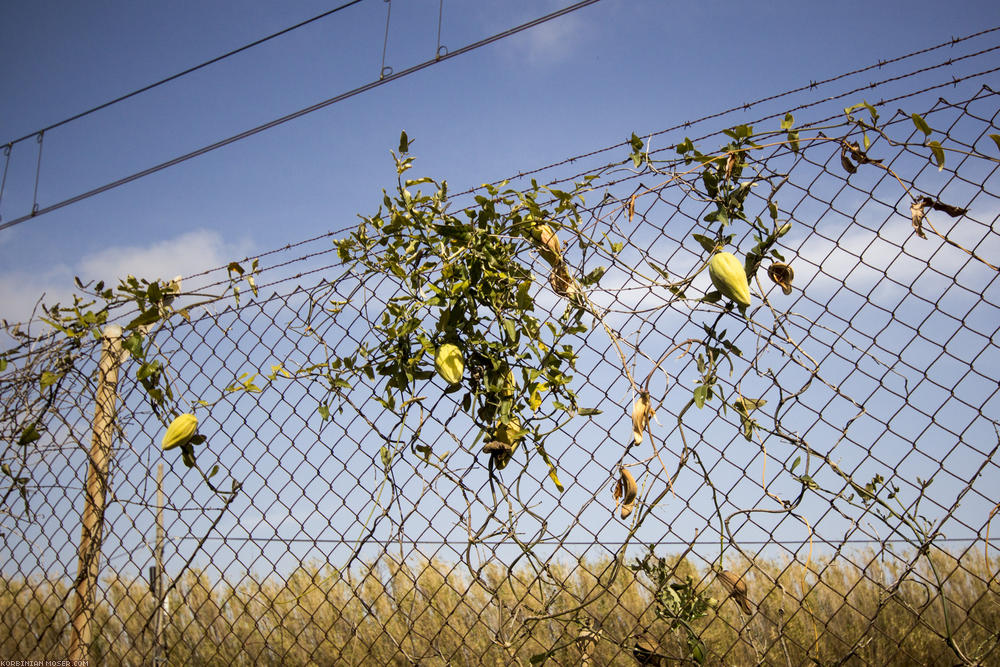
(435, 613)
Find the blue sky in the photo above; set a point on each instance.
(580, 82)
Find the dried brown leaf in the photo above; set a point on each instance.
(917, 217)
(846, 163)
(953, 211)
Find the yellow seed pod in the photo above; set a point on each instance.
(449, 364)
(180, 431)
(728, 276)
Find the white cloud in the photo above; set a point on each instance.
(189, 253)
(551, 42)
(862, 259)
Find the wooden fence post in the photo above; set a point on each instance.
(92, 520)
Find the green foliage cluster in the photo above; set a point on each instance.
(466, 279)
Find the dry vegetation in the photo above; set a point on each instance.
(434, 613)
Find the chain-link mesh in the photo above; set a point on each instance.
(854, 505)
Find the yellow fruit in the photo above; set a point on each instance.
(180, 431)
(449, 364)
(728, 276)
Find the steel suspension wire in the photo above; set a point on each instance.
(184, 73)
(301, 112)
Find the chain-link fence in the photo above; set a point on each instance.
(815, 476)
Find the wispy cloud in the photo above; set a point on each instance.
(186, 254)
(552, 42)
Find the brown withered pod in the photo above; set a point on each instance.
(625, 492)
(782, 276)
(737, 590)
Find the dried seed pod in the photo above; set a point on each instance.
(562, 282)
(506, 439)
(551, 248)
(629, 491)
(641, 412)
(737, 590)
(586, 641)
(180, 431)
(782, 276)
(917, 217)
(497, 447)
(644, 651)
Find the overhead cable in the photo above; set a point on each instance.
(440, 57)
(184, 73)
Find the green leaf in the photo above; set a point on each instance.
(385, 456)
(712, 297)
(3, 364)
(921, 124)
(996, 140)
(793, 140)
(48, 378)
(795, 463)
(788, 121)
(404, 142)
(540, 658)
(706, 243)
(871, 111)
(935, 147)
(524, 301)
(698, 650)
(29, 435)
(214, 471)
(134, 345)
(324, 411)
(700, 394)
(584, 412)
(685, 146)
(148, 317)
(187, 455)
